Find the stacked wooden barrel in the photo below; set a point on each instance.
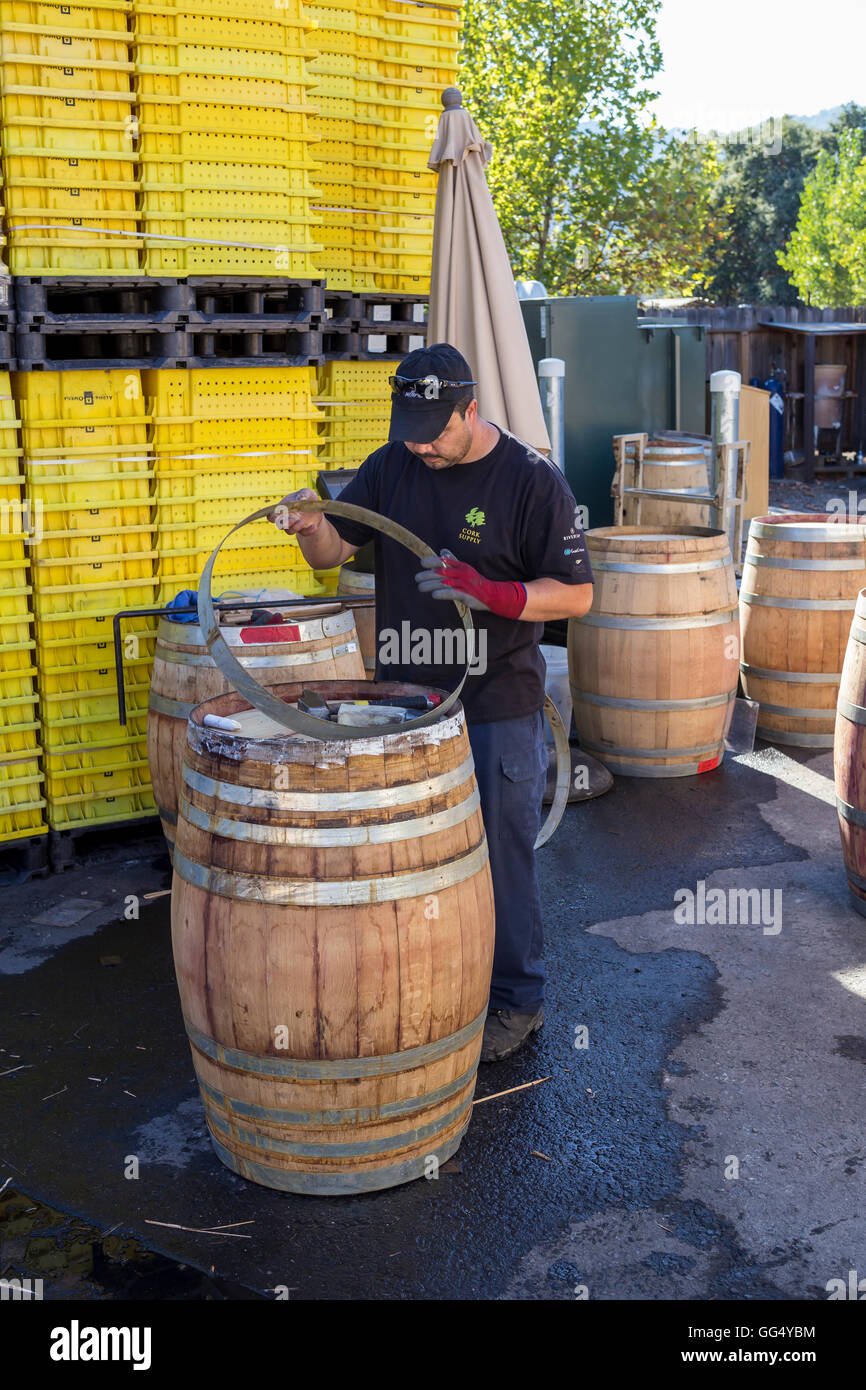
(653, 665)
(332, 924)
(315, 644)
(669, 467)
(801, 577)
(850, 757)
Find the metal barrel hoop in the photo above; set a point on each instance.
(297, 722)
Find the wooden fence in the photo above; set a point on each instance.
(736, 338)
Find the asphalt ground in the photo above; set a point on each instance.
(699, 1136)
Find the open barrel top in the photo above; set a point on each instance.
(295, 747)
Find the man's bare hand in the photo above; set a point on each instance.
(296, 523)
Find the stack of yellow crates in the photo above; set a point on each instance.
(68, 126)
(381, 66)
(21, 799)
(355, 401)
(224, 138)
(226, 443)
(89, 477)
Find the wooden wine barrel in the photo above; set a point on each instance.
(352, 584)
(801, 577)
(670, 468)
(324, 646)
(332, 924)
(653, 665)
(849, 757)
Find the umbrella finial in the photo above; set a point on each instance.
(452, 97)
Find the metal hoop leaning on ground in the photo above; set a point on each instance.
(298, 722)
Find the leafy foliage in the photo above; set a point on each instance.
(826, 252)
(590, 195)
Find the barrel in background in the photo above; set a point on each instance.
(801, 577)
(353, 584)
(849, 757)
(332, 925)
(653, 665)
(668, 467)
(324, 646)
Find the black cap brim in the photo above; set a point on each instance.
(418, 421)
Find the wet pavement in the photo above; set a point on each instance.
(705, 1142)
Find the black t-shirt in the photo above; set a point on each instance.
(511, 515)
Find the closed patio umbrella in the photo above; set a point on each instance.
(473, 302)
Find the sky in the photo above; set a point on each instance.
(735, 64)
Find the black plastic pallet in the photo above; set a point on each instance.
(106, 344)
(23, 859)
(342, 308)
(65, 846)
(145, 300)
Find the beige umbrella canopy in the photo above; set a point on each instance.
(473, 302)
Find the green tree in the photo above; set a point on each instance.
(826, 253)
(758, 194)
(560, 88)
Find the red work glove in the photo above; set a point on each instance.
(443, 576)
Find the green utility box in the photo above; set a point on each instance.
(622, 375)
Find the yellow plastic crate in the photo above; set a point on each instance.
(80, 409)
(19, 736)
(16, 666)
(247, 407)
(100, 810)
(42, 71)
(66, 659)
(270, 30)
(300, 581)
(295, 11)
(185, 119)
(391, 283)
(64, 532)
(67, 191)
(349, 381)
(360, 196)
(163, 57)
(247, 252)
(93, 731)
(78, 133)
(21, 799)
(71, 785)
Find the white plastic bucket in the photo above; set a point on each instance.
(556, 685)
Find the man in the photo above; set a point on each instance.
(505, 524)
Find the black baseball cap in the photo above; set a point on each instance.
(424, 390)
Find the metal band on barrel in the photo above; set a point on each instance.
(338, 1183)
(357, 1148)
(781, 562)
(787, 712)
(294, 892)
(795, 677)
(620, 702)
(335, 1068)
(853, 815)
(605, 748)
(856, 713)
(368, 1114)
(321, 802)
(815, 532)
(828, 605)
(262, 698)
(696, 567)
(175, 709)
(309, 629)
(251, 832)
(661, 624)
(793, 737)
(265, 663)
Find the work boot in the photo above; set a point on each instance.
(505, 1031)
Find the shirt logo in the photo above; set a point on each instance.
(475, 517)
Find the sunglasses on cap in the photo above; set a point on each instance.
(429, 386)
